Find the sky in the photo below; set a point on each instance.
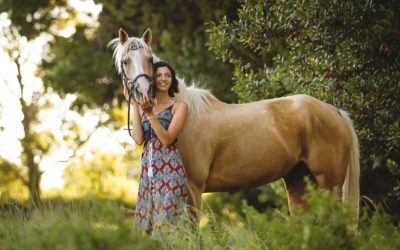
(11, 129)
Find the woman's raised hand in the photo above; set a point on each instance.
(146, 104)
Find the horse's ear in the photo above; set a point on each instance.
(147, 36)
(123, 36)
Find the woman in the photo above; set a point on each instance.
(163, 191)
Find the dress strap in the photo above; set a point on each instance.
(169, 108)
(172, 104)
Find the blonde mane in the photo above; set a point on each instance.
(199, 100)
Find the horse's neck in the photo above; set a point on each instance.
(199, 100)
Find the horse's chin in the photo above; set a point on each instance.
(139, 93)
(137, 96)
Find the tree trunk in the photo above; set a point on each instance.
(28, 156)
(34, 177)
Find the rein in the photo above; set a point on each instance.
(132, 93)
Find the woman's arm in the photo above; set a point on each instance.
(167, 137)
(137, 130)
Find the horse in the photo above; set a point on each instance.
(227, 147)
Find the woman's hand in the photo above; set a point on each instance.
(147, 105)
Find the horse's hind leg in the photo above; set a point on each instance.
(329, 170)
(296, 186)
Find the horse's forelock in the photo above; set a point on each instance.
(121, 49)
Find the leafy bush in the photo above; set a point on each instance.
(346, 53)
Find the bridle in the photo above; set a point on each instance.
(134, 89)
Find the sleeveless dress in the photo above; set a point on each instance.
(163, 190)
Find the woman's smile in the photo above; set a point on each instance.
(163, 78)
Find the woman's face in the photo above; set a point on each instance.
(163, 79)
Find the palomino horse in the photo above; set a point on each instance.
(232, 146)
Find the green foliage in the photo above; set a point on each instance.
(103, 175)
(32, 17)
(264, 199)
(83, 65)
(29, 19)
(77, 65)
(12, 185)
(346, 53)
(93, 224)
(179, 36)
(79, 225)
(327, 226)
(376, 230)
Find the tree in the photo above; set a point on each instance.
(31, 18)
(346, 53)
(79, 65)
(28, 21)
(179, 37)
(34, 145)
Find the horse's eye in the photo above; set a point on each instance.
(151, 60)
(125, 62)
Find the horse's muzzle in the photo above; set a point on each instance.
(135, 89)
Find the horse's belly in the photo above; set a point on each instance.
(230, 172)
(229, 183)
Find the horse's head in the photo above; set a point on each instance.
(134, 61)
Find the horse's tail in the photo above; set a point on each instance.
(351, 185)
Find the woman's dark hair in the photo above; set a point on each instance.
(174, 85)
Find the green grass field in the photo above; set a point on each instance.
(95, 224)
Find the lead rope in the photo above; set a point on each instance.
(129, 112)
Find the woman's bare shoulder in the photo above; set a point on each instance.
(179, 105)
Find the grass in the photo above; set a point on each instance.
(94, 224)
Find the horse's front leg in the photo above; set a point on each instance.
(194, 200)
